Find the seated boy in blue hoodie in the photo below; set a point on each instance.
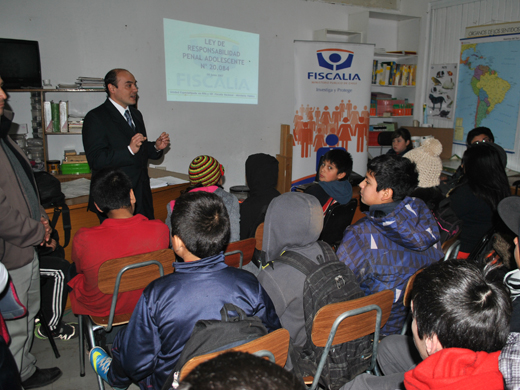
(398, 236)
(333, 185)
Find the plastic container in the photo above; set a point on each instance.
(75, 169)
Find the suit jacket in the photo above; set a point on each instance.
(106, 136)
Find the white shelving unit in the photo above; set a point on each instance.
(53, 148)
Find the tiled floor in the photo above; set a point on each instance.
(68, 363)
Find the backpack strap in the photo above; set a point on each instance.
(329, 254)
(329, 203)
(298, 261)
(67, 226)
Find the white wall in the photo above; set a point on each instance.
(90, 37)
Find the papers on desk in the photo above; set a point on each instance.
(75, 188)
(165, 181)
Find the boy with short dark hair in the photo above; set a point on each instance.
(398, 236)
(122, 234)
(162, 322)
(333, 185)
(460, 324)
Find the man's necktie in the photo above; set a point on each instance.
(129, 119)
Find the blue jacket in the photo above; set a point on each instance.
(166, 313)
(384, 252)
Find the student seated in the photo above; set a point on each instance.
(239, 371)
(333, 185)
(398, 236)
(148, 349)
(428, 162)
(293, 223)
(509, 210)
(475, 199)
(206, 174)
(122, 234)
(262, 179)
(460, 324)
(477, 135)
(401, 142)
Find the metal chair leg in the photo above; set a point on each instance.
(81, 346)
(43, 324)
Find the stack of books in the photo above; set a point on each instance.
(90, 82)
(392, 73)
(75, 124)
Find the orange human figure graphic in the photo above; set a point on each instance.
(345, 130)
(297, 121)
(310, 113)
(360, 131)
(319, 140)
(354, 117)
(302, 110)
(325, 120)
(349, 108)
(342, 108)
(366, 114)
(312, 126)
(317, 113)
(336, 117)
(306, 139)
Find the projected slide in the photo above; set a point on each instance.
(210, 64)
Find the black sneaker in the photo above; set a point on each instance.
(66, 331)
(42, 377)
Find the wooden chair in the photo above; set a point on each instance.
(240, 253)
(276, 342)
(407, 300)
(451, 247)
(259, 236)
(117, 276)
(341, 322)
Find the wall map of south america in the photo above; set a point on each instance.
(488, 91)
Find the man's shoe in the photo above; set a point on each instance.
(100, 362)
(42, 377)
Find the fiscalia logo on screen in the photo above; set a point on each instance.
(335, 60)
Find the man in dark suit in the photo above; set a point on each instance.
(114, 135)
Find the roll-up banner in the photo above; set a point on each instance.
(332, 104)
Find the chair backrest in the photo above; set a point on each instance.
(276, 342)
(336, 221)
(407, 298)
(134, 279)
(341, 322)
(239, 253)
(259, 236)
(384, 138)
(353, 327)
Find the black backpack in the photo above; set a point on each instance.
(217, 335)
(330, 281)
(49, 188)
(448, 222)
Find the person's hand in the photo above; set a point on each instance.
(163, 141)
(52, 244)
(48, 230)
(136, 142)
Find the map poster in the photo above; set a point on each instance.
(488, 90)
(441, 91)
(332, 104)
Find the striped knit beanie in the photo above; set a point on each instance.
(205, 170)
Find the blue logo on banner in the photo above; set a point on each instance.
(335, 59)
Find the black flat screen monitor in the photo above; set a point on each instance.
(20, 64)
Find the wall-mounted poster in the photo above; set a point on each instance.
(442, 81)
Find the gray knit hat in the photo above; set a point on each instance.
(429, 164)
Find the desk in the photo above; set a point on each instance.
(80, 217)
